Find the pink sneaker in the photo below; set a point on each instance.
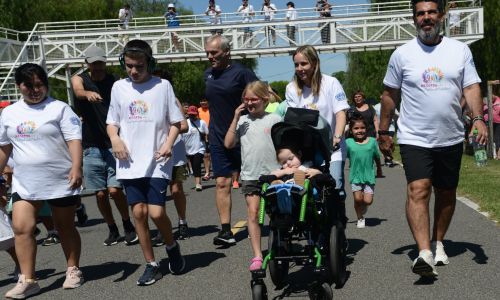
(74, 278)
(256, 263)
(23, 289)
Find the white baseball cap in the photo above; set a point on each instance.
(171, 5)
(94, 54)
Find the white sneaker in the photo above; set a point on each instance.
(423, 265)
(440, 257)
(74, 278)
(23, 289)
(198, 187)
(361, 223)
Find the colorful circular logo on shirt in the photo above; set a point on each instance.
(138, 108)
(27, 127)
(432, 75)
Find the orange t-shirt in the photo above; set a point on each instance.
(204, 114)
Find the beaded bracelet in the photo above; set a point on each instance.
(477, 118)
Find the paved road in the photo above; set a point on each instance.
(379, 258)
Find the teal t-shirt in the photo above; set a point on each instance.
(361, 159)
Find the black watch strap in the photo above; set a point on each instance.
(384, 132)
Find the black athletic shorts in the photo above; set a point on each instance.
(441, 165)
(58, 202)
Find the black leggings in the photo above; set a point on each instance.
(196, 161)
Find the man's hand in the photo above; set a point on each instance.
(93, 96)
(482, 132)
(386, 144)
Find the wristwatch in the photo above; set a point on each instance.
(384, 132)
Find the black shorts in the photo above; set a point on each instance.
(441, 165)
(58, 202)
(251, 187)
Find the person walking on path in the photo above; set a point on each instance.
(92, 91)
(204, 114)
(172, 19)
(312, 90)
(44, 137)
(362, 152)
(225, 81)
(253, 131)
(371, 118)
(142, 131)
(429, 75)
(195, 140)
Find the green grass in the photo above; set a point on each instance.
(481, 185)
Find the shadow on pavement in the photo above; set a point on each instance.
(194, 261)
(452, 249)
(108, 269)
(355, 245)
(372, 222)
(90, 222)
(203, 230)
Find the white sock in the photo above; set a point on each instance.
(182, 221)
(153, 263)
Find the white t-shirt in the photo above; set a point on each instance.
(125, 15)
(330, 100)
(38, 134)
(269, 11)
(247, 13)
(179, 152)
(214, 15)
(377, 108)
(431, 80)
(144, 113)
(192, 138)
(291, 14)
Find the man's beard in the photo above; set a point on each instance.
(429, 37)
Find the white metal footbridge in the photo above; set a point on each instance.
(60, 46)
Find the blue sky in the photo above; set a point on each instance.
(277, 68)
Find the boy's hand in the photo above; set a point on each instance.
(120, 151)
(164, 153)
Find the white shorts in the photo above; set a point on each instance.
(366, 188)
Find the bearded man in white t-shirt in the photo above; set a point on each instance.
(429, 75)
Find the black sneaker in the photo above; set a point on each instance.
(224, 238)
(51, 239)
(182, 232)
(113, 238)
(157, 240)
(81, 215)
(131, 237)
(176, 262)
(150, 275)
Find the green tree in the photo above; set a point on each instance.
(279, 87)
(485, 51)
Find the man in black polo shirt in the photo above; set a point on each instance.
(92, 91)
(225, 82)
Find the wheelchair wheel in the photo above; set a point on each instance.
(278, 271)
(321, 292)
(336, 256)
(259, 291)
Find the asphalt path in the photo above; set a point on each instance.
(379, 257)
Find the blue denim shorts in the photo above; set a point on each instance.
(99, 169)
(146, 190)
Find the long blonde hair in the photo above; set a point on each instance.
(312, 57)
(260, 89)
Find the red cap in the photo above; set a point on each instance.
(4, 104)
(192, 110)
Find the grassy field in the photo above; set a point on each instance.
(481, 185)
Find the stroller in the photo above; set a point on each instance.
(307, 220)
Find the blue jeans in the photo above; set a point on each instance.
(99, 169)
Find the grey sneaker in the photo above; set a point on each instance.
(440, 257)
(423, 265)
(176, 262)
(151, 275)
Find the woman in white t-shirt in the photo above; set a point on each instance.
(312, 90)
(44, 135)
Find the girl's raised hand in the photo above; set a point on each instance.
(239, 110)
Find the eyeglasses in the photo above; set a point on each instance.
(250, 100)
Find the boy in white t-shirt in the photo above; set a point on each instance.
(143, 124)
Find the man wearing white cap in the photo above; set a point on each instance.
(92, 90)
